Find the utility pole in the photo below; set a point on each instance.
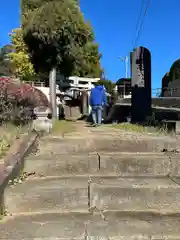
(52, 92)
(126, 60)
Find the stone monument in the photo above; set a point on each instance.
(141, 84)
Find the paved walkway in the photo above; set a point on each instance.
(97, 183)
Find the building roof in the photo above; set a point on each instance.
(123, 81)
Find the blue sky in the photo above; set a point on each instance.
(114, 24)
(9, 18)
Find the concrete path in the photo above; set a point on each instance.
(97, 183)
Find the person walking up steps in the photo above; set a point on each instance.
(97, 101)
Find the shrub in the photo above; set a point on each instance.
(17, 101)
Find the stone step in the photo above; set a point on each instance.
(117, 163)
(56, 165)
(48, 194)
(139, 164)
(75, 193)
(76, 225)
(111, 144)
(134, 194)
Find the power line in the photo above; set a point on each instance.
(138, 20)
(145, 12)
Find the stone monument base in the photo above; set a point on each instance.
(42, 122)
(42, 125)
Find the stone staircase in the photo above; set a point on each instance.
(103, 184)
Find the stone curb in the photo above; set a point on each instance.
(14, 162)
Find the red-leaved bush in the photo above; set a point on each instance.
(17, 100)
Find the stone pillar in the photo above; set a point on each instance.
(52, 89)
(141, 85)
(84, 103)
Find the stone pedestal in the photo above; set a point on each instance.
(169, 126)
(42, 122)
(177, 127)
(44, 125)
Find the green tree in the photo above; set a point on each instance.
(19, 56)
(4, 51)
(54, 32)
(108, 84)
(58, 36)
(89, 64)
(6, 68)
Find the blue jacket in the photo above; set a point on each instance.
(98, 96)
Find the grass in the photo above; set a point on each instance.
(62, 127)
(128, 127)
(138, 128)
